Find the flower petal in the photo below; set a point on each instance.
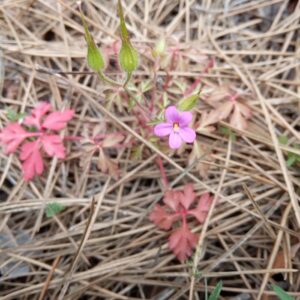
(187, 134)
(163, 129)
(172, 114)
(185, 118)
(175, 140)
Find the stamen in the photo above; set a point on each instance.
(175, 126)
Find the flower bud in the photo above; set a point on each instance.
(128, 58)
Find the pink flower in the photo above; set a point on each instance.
(176, 127)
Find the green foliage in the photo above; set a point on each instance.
(228, 132)
(14, 116)
(283, 139)
(216, 292)
(188, 103)
(282, 295)
(292, 158)
(53, 208)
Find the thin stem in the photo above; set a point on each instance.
(128, 77)
(103, 77)
(163, 173)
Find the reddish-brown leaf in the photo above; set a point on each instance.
(182, 241)
(161, 218)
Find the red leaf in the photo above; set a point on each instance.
(161, 218)
(36, 114)
(32, 160)
(12, 136)
(172, 199)
(58, 119)
(112, 140)
(237, 120)
(53, 146)
(200, 212)
(224, 110)
(182, 241)
(188, 196)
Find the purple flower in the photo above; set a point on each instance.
(176, 127)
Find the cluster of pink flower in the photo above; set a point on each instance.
(38, 131)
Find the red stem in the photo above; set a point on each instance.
(163, 173)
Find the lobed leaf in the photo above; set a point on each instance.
(32, 160)
(58, 119)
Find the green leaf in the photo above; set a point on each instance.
(227, 132)
(188, 103)
(216, 292)
(154, 122)
(53, 208)
(14, 116)
(283, 139)
(95, 59)
(282, 295)
(292, 158)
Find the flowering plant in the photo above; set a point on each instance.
(178, 207)
(176, 127)
(38, 132)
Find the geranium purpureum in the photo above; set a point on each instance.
(176, 127)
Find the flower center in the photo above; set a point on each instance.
(176, 126)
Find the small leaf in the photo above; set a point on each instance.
(216, 292)
(58, 119)
(12, 136)
(154, 122)
(283, 139)
(53, 209)
(53, 145)
(32, 160)
(182, 241)
(203, 206)
(95, 59)
(161, 218)
(228, 132)
(188, 103)
(36, 115)
(282, 295)
(292, 158)
(14, 116)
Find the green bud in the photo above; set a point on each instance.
(128, 57)
(95, 59)
(188, 103)
(159, 49)
(124, 32)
